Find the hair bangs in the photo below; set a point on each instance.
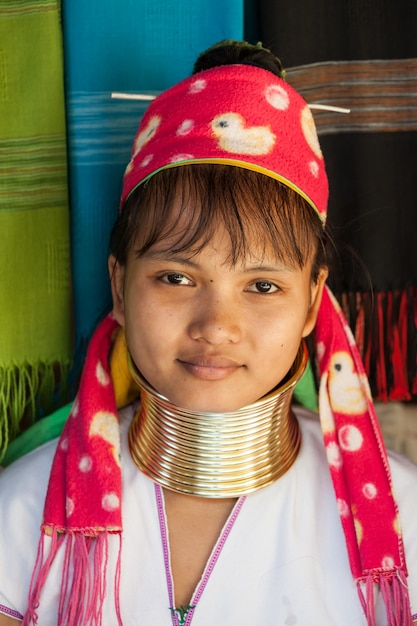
(184, 205)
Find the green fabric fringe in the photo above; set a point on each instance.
(27, 393)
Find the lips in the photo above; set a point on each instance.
(209, 367)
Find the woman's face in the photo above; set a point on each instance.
(208, 335)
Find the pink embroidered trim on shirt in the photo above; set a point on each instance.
(10, 612)
(212, 562)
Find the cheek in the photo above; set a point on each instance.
(150, 331)
(277, 346)
(144, 346)
(283, 326)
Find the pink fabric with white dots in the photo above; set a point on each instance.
(355, 450)
(239, 114)
(87, 460)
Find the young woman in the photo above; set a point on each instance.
(187, 488)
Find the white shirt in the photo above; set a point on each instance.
(283, 563)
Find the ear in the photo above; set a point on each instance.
(117, 275)
(316, 296)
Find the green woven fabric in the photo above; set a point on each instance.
(35, 341)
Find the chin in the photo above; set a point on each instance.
(211, 405)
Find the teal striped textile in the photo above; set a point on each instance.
(134, 46)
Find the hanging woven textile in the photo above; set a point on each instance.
(145, 47)
(35, 328)
(364, 56)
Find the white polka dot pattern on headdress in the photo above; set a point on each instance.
(197, 86)
(309, 130)
(277, 97)
(110, 502)
(146, 160)
(273, 135)
(185, 127)
(314, 168)
(177, 158)
(146, 134)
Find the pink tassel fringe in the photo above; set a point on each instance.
(83, 585)
(394, 592)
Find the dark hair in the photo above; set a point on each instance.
(230, 52)
(252, 207)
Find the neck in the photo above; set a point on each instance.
(216, 455)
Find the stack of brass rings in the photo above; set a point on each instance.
(216, 455)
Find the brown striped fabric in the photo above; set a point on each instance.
(362, 55)
(380, 94)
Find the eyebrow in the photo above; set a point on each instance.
(269, 268)
(166, 255)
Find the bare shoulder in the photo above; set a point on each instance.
(5, 620)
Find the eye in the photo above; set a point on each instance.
(263, 286)
(175, 279)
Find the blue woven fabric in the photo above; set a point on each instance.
(134, 46)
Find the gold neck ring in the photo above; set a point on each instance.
(216, 455)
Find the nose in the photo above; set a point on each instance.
(216, 321)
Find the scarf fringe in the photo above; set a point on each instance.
(385, 328)
(394, 592)
(84, 578)
(28, 392)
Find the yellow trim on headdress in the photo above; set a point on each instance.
(237, 163)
